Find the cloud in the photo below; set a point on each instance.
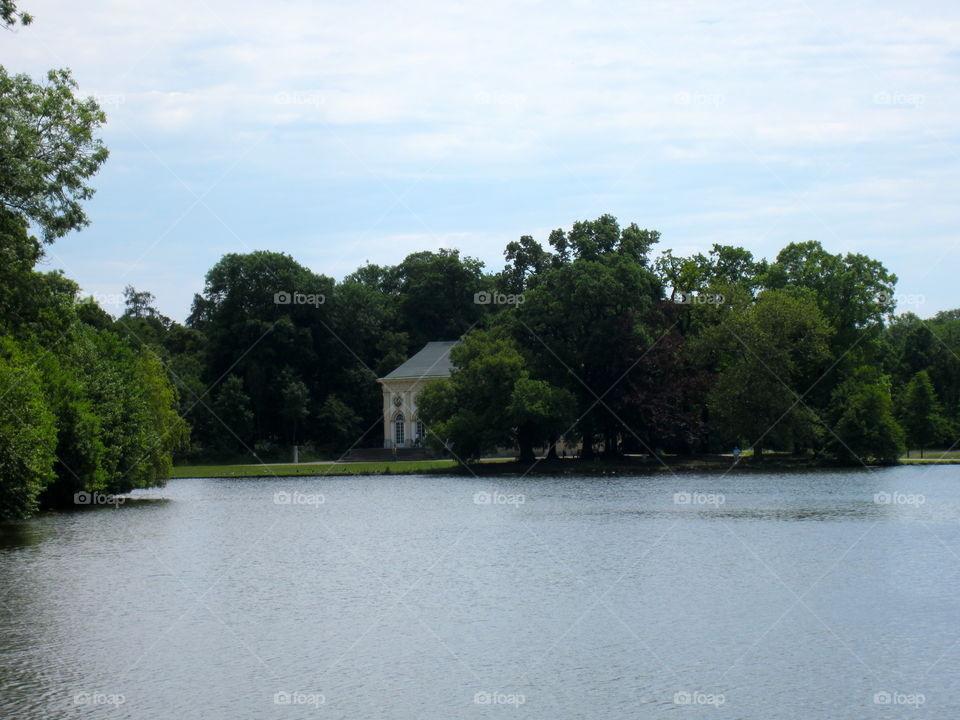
(507, 116)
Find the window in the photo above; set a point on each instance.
(421, 431)
(398, 429)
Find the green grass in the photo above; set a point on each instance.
(932, 456)
(929, 461)
(353, 468)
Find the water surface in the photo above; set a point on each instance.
(813, 595)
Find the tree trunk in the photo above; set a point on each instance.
(525, 442)
(586, 452)
(610, 444)
(552, 449)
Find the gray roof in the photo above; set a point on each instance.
(432, 361)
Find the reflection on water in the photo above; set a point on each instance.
(13, 535)
(814, 595)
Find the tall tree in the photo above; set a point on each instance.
(866, 429)
(48, 150)
(920, 412)
(28, 435)
(491, 401)
(766, 358)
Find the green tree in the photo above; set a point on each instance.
(232, 409)
(491, 401)
(435, 295)
(339, 426)
(262, 314)
(766, 359)
(583, 328)
(28, 434)
(920, 412)
(48, 150)
(10, 15)
(866, 429)
(296, 402)
(854, 293)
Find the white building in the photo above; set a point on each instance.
(401, 422)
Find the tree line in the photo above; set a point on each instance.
(83, 411)
(592, 339)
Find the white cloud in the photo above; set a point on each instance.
(707, 120)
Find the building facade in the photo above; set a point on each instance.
(402, 426)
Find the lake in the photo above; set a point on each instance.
(751, 595)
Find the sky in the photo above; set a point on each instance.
(351, 132)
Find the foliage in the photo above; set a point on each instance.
(766, 359)
(48, 150)
(920, 413)
(27, 434)
(866, 429)
(491, 401)
(10, 15)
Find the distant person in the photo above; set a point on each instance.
(736, 454)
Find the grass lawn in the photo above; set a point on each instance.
(932, 456)
(289, 470)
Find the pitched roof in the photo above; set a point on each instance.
(432, 361)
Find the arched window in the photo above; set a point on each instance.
(398, 429)
(421, 431)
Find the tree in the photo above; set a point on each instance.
(28, 435)
(139, 304)
(541, 413)
(724, 266)
(582, 328)
(866, 429)
(339, 426)
(233, 413)
(264, 314)
(48, 150)
(766, 358)
(491, 401)
(853, 291)
(10, 15)
(296, 401)
(435, 294)
(920, 412)
(526, 259)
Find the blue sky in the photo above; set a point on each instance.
(346, 132)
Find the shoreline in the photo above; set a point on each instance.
(567, 466)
